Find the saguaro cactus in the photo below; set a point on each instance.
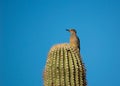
(64, 67)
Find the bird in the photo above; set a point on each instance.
(74, 39)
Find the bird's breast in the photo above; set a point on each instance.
(74, 41)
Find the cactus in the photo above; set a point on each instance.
(64, 67)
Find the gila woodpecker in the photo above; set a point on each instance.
(74, 40)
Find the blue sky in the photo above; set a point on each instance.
(28, 29)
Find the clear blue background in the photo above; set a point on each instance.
(28, 29)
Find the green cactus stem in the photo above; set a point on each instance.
(64, 67)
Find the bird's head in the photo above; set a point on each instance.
(72, 31)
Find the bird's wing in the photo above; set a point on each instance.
(78, 43)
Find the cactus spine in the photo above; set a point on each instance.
(64, 67)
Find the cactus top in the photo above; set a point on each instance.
(60, 46)
(63, 45)
(64, 67)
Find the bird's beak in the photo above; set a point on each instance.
(67, 30)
